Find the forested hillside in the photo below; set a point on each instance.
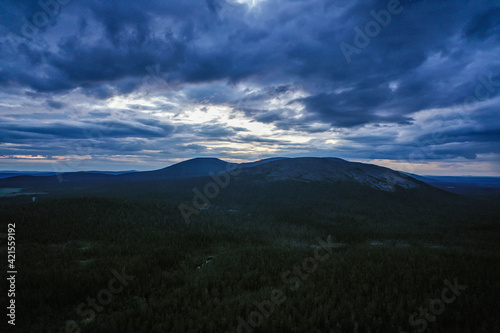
(391, 253)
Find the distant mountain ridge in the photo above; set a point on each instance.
(329, 169)
(304, 169)
(196, 167)
(9, 173)
(466, 185)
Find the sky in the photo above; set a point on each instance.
(140, 85)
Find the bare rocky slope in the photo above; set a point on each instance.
(329, 169)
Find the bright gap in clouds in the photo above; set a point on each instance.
(249, 3)
(247, 138)
(251, 137)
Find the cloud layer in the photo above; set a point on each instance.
(138, 85)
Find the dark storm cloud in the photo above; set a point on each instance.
(269, 117)
(34, 116)
(55, 104)
(432, 54)
(484, 25)
(216, 131)
(18, 132)
(195, 147)
(253, 138)
(267, 93)
(133, 40)
(346, 109)
(478, 133)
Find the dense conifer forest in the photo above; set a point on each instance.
(248, 262)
